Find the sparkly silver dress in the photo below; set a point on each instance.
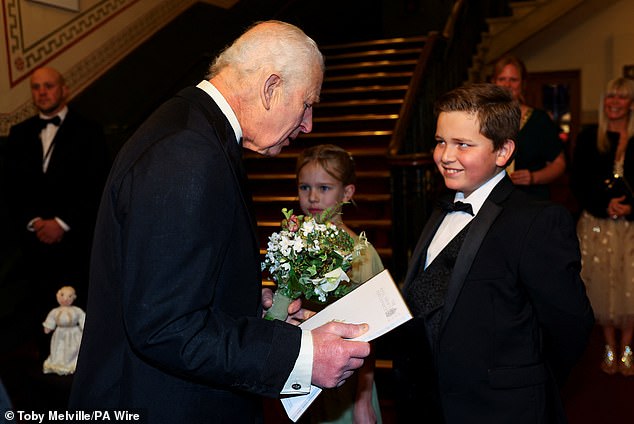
(607, 252)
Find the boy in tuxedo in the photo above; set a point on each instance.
(501, 313)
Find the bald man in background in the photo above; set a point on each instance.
(55, 166)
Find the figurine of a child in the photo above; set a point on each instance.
(67, 323)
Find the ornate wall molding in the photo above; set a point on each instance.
(83, 45)
(36, 33)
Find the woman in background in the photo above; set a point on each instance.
(325, 180)
(539, 158)
(603, 171)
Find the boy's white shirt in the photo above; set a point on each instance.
(456, 221)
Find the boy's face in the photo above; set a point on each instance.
(464, 157)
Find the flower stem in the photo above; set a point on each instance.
(279, 309)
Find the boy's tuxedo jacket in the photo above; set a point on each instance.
(515, 320)
(173, 324)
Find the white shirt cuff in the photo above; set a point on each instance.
(302, 374)
(62, 224)
(29, 225)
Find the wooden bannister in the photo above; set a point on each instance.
(415, 182)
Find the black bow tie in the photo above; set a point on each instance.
(55, 120)
(456, 207)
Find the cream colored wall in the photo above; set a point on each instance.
(598, 41)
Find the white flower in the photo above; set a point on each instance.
(308, 226)
(294, 258)
(298, 245)
(329, 282)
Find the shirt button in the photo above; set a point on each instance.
(296, 386)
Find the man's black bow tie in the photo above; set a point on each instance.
(55, 120)
(456, 207)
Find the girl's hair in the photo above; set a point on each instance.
(620, 87)
(337, 162)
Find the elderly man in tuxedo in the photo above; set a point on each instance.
(56, 165)
(174, 325)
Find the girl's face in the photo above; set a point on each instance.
(318, 190)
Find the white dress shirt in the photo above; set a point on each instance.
(46, 137)
(454, 222)
(48, 134)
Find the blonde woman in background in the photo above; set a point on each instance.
(603, 171)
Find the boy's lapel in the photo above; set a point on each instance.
(479, 228)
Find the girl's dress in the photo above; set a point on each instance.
(68, 324)
(337, 405)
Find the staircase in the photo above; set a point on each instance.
(528, 17)
(364, 87)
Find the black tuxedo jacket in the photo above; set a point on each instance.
(515, 320)
(70, 189)
(173, 325)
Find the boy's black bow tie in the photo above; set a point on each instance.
(456, 207)
(55, 120)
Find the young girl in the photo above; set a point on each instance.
(325, 179)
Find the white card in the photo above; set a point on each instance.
(377, 302)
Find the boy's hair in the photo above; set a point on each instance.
(337, 162)
(498, 114)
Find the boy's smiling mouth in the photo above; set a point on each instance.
(452, 170)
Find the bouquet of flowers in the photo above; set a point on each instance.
(309, 257)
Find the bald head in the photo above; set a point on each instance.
(48, 90)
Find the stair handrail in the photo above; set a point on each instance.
(433, 41)
(414, 178)
(411, 96)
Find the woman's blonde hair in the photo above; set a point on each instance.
(620, 87)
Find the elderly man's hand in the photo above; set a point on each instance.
(334, 357)
(48, 231)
